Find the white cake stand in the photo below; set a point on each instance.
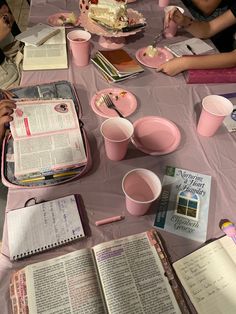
(111, 40)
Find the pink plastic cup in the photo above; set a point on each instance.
(163, 3)
(171, 30)
(117, 133)
(214, 109)
(80, 46)
(141, 188)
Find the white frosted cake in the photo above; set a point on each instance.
(111, 13)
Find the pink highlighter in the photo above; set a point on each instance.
(229, 229)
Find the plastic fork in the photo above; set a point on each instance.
(109, 103)
(157, 38)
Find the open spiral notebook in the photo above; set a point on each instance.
(40, 227)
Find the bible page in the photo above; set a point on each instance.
(50, 55)
(133, 278)
(37, 117)
(48, 153)
(63, 285)
(209, 277)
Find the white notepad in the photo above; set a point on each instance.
(43, 226)
(198, 47)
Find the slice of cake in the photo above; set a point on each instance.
(110, 13)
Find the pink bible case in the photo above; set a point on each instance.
(226, 75)
(53, 90)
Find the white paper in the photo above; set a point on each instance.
(197, 45)
(37, 34)
(50, 55)
(42, 226)
(209, 278)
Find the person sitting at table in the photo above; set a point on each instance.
(10, 49)
(206, 10)
(201, 29)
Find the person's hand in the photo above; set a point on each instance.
(6, 109)
(173, 67)
(178, 17)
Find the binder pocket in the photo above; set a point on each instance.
(50, 91)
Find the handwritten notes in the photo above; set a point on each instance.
(42, 226)
(209, 277)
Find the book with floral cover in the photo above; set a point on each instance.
(184, 203)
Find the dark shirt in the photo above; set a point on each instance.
(224, 40)
(233, 8)
(199, 15)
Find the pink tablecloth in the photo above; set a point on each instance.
(157, 94)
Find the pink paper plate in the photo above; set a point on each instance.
(125, 102)
(53, 19)
(153, 62)
(154, 135)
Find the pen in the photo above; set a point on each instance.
(190, 49)
(32, 180)
(108, 220)
(65, 174)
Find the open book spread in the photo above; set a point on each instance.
(50, 55)
(184, 203)
(189, 47)
(119, 277)
(43, 226)
(209, 278)
(116, 65)
(37, 34)
(47, 137)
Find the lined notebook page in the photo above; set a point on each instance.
(209, 277)
(197, 45)
(43, 226)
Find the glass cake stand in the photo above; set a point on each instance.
(109, 39)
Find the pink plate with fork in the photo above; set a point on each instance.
(124, 101)
(155, 135)
(161, 57)
(55, 19)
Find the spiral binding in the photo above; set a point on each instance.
(46, 247)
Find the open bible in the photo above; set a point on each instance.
(47, 138)
(128, 275)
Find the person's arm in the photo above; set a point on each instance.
(177, 65)
(202, 29)
(207, 7)
(6, 109)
